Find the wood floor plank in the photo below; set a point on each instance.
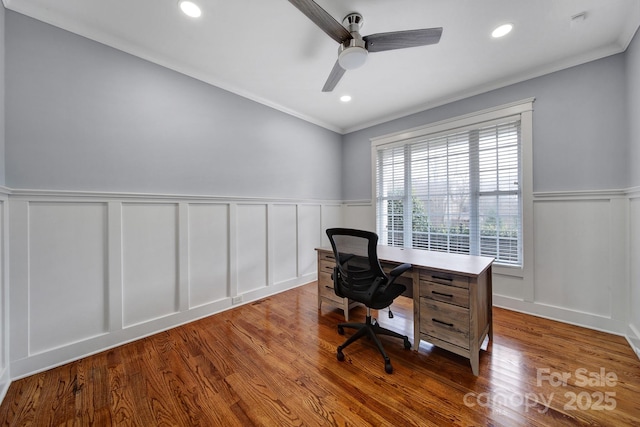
(273, 362)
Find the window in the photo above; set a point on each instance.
(456, 186)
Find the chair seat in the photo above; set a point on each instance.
(380, 300)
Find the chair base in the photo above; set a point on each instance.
(370, 329)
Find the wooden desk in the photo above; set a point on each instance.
(452, 296)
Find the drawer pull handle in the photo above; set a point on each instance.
(442, 323)
(448, 279)
(328, 287)
(441, 294)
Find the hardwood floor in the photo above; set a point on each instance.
(273, 363)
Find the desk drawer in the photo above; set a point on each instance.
(325, 288)
(444, 278)
(446, 322)
(324, 279)
(326, 256)
(325, 266)
(444, 293)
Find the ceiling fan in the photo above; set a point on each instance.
(354, 48)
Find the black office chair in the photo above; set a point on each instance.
(359, 277)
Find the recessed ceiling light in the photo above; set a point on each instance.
(345, 98)
(502, 31)
(191, 9)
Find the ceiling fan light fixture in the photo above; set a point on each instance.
(352, 57)
(190, 9)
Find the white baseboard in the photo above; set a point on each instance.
(633, 337)
(559, 314)
(5, 383)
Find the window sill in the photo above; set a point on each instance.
(508, 270)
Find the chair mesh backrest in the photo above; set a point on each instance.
(356, 257)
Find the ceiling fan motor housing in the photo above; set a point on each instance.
(353, 22)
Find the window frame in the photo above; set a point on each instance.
(523, 109)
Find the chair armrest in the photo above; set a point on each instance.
(399, 270)
(395, 273)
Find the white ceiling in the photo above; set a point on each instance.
(268, 51)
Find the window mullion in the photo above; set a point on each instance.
(474, 192)
(407, 231)
(498, 211)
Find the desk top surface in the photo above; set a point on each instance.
(468, 265)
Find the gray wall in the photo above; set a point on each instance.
(84, 116)
(2, 103)
(580, 129)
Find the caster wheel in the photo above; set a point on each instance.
(340, 330)
(388, 368)
(407, 344)
(340, 355)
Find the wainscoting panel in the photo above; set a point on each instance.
(251, 244)
(573, 267)
(331, 217)
(309, 231)
(283, 237)
(208, 256)
(96, 270)
(67, 273)
(580, 268)
(579, 272)
(150, 254)
(360, 215)
(128, 266)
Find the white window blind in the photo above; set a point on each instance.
(457, 191)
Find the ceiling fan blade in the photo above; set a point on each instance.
(334, 77)
(402, 39)
(322, 19)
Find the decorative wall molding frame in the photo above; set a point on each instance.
(591, 294)
(95, 270)
(85, 265)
